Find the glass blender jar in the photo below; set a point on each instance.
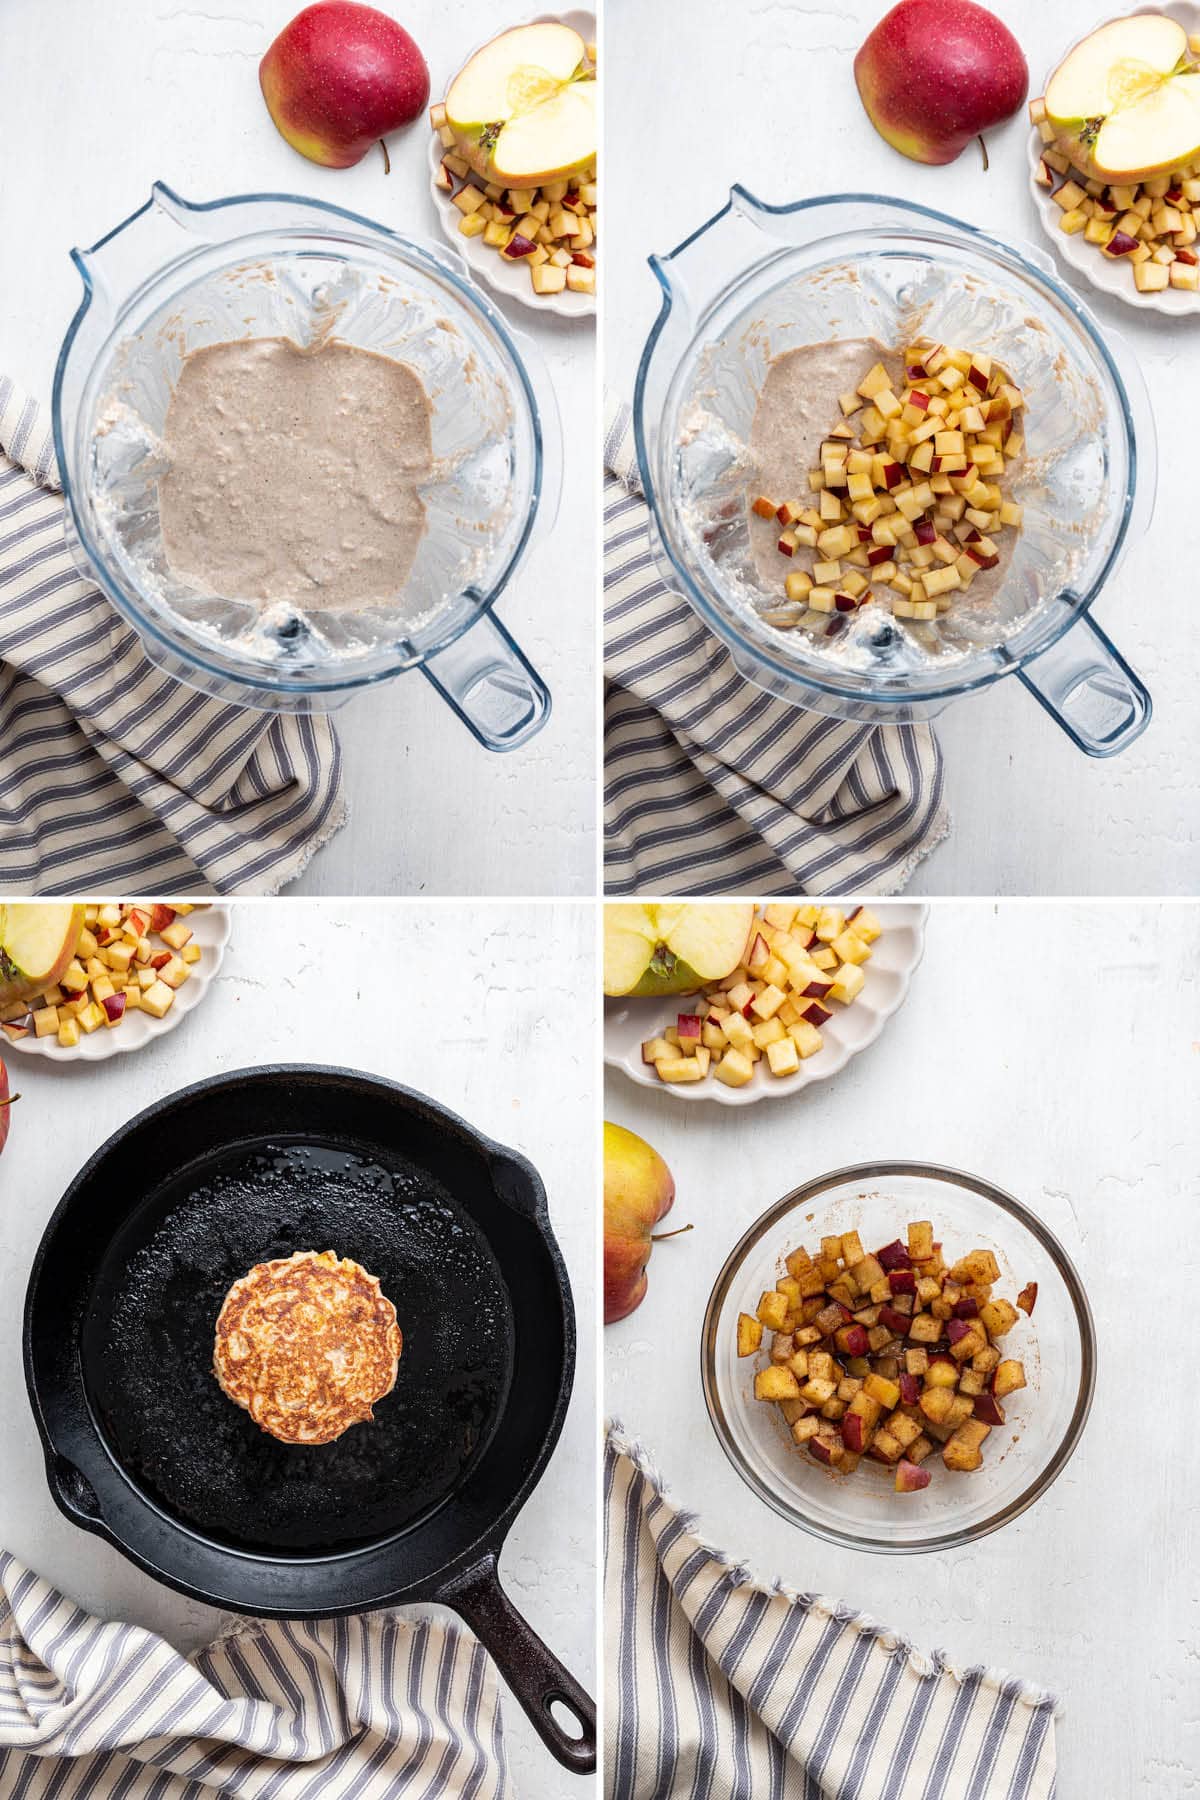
(758, 280)
(176, 276)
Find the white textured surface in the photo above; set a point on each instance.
(300, 983)
(1055, 1051)
(770, 101)
(97, 103)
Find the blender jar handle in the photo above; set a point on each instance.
(1088, 688)
(494, 689)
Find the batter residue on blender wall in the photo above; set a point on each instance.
(295, 474)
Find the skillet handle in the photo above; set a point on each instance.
(533, 1673)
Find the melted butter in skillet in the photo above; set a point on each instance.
(295, 474)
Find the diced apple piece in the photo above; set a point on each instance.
(156, 1000)
(847, 983)
(749, 1334)
(1009, 1376)
(910, 1478)
(962, 1452)
(886, 1392)
(776, 1383)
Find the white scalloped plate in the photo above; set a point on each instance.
(509, 280)
(895, 955)
(210, 929)
(1102, 272)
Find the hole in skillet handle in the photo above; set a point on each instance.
(535, 1675)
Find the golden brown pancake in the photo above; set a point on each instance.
(307, 1344)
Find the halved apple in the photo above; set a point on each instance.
(656, 949)
(524, 107)
(1125, 103)
(557, 139)
(37, 942)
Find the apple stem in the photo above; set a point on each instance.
(660, 1237)
(983, 147)
(13, 1097)
(387, 161)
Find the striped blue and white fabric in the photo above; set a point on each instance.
(713, 787)
(111, 774)
(370, 1708)
(721, 1690)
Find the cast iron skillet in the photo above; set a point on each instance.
(144, 1449)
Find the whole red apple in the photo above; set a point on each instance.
(936, 73)
(639, 1190)
(339, 77)
(6, 1104)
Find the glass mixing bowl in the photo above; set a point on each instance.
(1045, 1420)
(757, 280)
(176, 276)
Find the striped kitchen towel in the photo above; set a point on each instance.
(721, 1690)
(370, 1708)
(713, 787)
(112, 774)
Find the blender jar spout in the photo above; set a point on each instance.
(116, 265)
(697, 270)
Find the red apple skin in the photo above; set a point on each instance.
(936, 73)
(6, 1104)
(339, 77)
(639, 1190)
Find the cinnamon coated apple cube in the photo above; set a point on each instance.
(1009, 1376)
(776, 1383)
(962, 1451)
(749, 1334)
(925, 1329)
(876, 1387)
(920, 1239)
(903, 1428)
(772, 1309)
(998, 1317)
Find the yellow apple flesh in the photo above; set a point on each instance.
(653, 949)
(1125, 103)
(524, 108)
(37, 942)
